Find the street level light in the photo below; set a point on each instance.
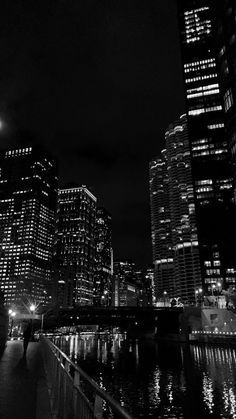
(12, 315)
(165, 294)
(32, 308)
(212, 289)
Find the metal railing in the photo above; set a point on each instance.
(73, 394)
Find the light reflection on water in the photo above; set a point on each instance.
(159, 380)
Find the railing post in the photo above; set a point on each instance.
(98, 407)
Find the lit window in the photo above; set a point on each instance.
(228, 99)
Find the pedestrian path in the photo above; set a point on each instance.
(23, 390)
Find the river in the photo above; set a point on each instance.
(159, 380)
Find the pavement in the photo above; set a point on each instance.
(23, 385)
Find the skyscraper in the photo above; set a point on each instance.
(211, 171)
(103, 258)
(177, 272)
(225, 36)
(182, 211)
(75, 247)
(124, 289)
(28, 196)
(162, 248)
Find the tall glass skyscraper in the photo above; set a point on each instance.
(75, 247)
(211, 171)
(225, 36)
(28, 197)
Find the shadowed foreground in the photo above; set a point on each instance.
(23, 390)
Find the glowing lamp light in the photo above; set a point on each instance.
(32, 307)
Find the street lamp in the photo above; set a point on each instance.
(165, 294)
(212, 289)
(32, 308)
(12, 315)
(196, 295)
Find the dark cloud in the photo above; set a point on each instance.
(97, 82)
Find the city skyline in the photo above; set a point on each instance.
(96, 103)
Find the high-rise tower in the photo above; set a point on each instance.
(162, 248)
(211, 171)
(103, 258)
(28, 196)
(75, 247)
(182, 211)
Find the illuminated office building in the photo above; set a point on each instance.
(144, 283)
(162, 248)
(28, 196)
(225, 35)
(211, 171)
(75, 247)
(103, 258)
(124, 288)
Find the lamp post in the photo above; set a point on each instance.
(32, 310)
(12, 315)
(196, 295)
(165, 294)
(212, 289)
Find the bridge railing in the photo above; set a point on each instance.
(73, 393)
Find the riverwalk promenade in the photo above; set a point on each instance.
(23, 389)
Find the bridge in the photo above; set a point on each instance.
(137, 321)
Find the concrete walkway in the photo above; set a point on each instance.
(23, 389)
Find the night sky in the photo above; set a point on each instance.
(97, 82)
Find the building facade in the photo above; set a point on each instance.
(75, 247)
(225, 36)
(182, 211)
(124, 288)
(103, 258)
(210, 161)
(161, 229)
(28, 197)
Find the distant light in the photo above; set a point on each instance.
(2, 124)
(32, 307)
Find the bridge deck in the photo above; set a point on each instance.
(23, 391)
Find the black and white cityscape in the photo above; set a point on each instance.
(118, 209)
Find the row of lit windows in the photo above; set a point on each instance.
(19, 152)
(209, 153)
(199, 111)
(203, 88)
(200, 78)
(201, 94)
(194, 11)
(215, 126)
(196, 64)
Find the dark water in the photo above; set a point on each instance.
(155, 380)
